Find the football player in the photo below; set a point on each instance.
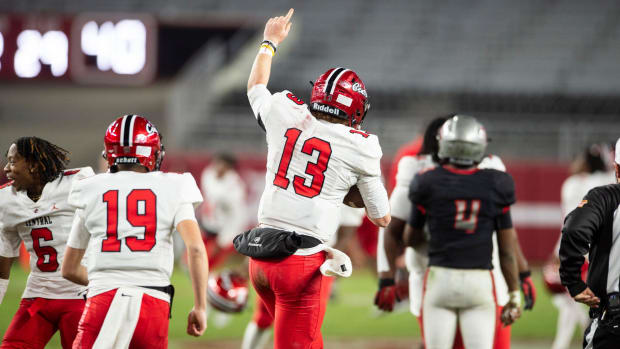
(463, 205)
(257, 331)
(34, 209)
(315, 155)
(417, 262)
(127, 217)
(224, 214)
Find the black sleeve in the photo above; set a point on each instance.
(580, 228)
(505, 188)
(417, 190)
(504, 220)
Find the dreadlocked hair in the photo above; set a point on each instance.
(52, 159)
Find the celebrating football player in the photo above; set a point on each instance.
(463, 206)
(128, 216)
(34, 209)
(417, 261)
(315, 155)
(257, 331)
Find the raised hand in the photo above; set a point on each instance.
(277, 28)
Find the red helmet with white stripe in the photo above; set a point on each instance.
(341, 93)
(132, 139)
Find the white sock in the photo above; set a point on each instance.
(255, 337)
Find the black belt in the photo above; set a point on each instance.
(166, 289)
(308, 241)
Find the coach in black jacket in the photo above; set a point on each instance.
(594, 228)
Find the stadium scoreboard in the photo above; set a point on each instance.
(87, 48)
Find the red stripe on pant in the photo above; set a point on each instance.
(37, 319)
(151, 330)
(295, 294)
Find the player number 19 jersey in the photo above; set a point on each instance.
(126, 219)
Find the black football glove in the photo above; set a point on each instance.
(529, 291)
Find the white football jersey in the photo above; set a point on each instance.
(311, 164)
(127, 219)
(44, 227)
(408, 167)
(224, 209)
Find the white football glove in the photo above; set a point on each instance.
(4, 284)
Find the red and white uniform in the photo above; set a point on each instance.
(417, 263)
(127, 219)
(44, 227)
(311, 165)
(224, 207)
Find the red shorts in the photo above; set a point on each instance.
(295, 294)
(502, 334)
(263, 319)
(37, 319)
(151, 330)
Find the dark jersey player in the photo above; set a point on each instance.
(463, 206)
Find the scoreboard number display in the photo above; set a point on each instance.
(88, 48)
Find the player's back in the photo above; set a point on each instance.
(311, 166)
(461, 208)
(130, 217)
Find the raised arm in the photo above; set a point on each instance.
(276, 30)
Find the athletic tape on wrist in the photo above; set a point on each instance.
(4, 285)
(266, 49)
(515, 298)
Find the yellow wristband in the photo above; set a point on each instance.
(266, 49)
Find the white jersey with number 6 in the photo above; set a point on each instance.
(311, 164)
(127, 219)
(44, 227)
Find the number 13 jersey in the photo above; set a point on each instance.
(126, 219)
(311, 164)
(44, 227)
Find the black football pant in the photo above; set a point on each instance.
(602, 335)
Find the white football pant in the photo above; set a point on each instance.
(463, 297)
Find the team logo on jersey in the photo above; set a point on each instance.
(358, 88)
(582, 203)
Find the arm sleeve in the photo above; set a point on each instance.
(417, 217)
(504, 220)
(382, 262)
(185, 212)
(578, 233)
(9, 243)
(79, 236)
(374, 195)
(260, 101)
(399, 200)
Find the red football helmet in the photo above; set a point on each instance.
(341, 93)
(132, 139)
(227, 292)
